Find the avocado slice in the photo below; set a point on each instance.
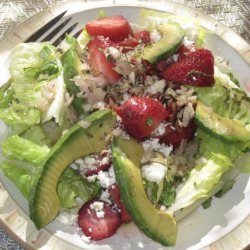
(223, 128)
(156, 224)
(76, 143)
(71, 67)
(172, 35)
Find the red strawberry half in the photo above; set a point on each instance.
(98, 60)
(143, 36)
(173, 136)
(116, 196)
(117, 28)
(141, 115)
(98, 227)
(102, 162)
(196, 69)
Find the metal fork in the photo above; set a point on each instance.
(52, 29)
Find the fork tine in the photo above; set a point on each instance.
(56, 30)
(63, 35)
(34, 37)
(77, 33)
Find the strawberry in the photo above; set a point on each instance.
(174, 135)
(98, 227)
(102, 162)
(98, 60)
(196, 69)
(116, 196)
(116, 28)
(139, 37)
(141, 116)
(143, 36)
(128, 42)
(184, 51)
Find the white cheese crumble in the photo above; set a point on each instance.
(187, 43)
(98, 207)
(114, 52)
(175, 57)
(67, 218)
(154, 172)
(156, 87)
(155, 36)
(105, 196)
(160, 130)
(152, 145)
(107, 178)
(92, 178)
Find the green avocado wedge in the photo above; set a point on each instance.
(171, 37)
(223, 128)
(78, 142)
(156, 224)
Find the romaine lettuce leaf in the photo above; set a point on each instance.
(226, 98)
(18, 113)
(216, 158)
(201, 181)
(20, 177)
(56, 108)
(18, 148)
(71, 186)
(33, 62)
(36, 135)
(243, 163)
(37, 88)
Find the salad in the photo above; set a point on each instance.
(125, 123)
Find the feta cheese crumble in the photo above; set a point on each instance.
(98, 207)
(156, 87)
(152, 145)
(155, 36)
(154, 172)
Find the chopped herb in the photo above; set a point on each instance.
(45, 53)
(206, 204)
(150, 121)
(225, 189)
(168, 194)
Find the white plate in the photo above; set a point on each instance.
(197, 230)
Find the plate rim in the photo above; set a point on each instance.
(240, 45)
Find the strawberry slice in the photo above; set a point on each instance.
(143, 36)
(98, 60)
(96, 224)
(116, 28)
(116, 196)
(196, 69)
(141, 116)
(174, 135)
(102, 162)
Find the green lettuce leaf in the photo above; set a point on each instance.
(18, 148)
(36, 135)
(201, 181)
(71, 186)
(32, 62)
(18, 113)
(226, 98)
(20, 177)
(216, 159)
(243, 163)
(36, 74)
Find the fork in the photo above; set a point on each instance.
(52, 29)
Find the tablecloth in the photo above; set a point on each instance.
(233, 13)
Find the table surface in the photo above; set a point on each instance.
(234, 14)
